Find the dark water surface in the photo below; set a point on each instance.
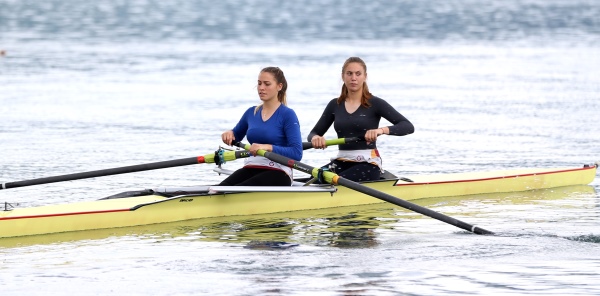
(488, 84)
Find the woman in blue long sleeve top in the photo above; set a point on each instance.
(356, 113)
(270, 126)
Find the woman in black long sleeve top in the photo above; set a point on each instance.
(356, 113)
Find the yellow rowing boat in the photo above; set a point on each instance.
(162, 205)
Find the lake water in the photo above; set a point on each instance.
(488, 85)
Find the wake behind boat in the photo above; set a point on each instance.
(163, 205)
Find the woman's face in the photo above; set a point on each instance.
(354, 76)
(267, 86)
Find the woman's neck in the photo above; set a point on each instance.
(271, 105)
(354, 97)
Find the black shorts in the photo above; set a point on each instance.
(257, 177)
(356, 171)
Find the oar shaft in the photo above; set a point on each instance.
(337, 180)
(410, 206)
(209, 158)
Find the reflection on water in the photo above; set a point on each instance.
(350, 227)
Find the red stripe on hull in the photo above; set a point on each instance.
(65, 214)
(496, 178)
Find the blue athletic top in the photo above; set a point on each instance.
(282, 131)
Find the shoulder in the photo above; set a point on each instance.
(332, 103)
(376, 100)
(287, 110)
(249, 111)
(288, 116)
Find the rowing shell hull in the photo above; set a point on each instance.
(224, 201)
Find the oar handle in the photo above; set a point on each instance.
(340, 141)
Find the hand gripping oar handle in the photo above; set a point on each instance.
(340, 141)
(335, 179)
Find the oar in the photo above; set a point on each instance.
(335, 179)
(209, 158)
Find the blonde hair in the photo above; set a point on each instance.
(366, 95)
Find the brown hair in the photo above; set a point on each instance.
(366, 95)
(279, 78)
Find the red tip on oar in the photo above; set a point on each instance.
(201, 159)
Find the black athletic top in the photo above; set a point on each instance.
(356, 124)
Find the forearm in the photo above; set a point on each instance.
(293, 152)
(324, 122)
(402, 128)
(266, 147)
